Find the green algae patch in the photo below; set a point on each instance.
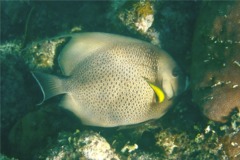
(143, 9)
(42, 55)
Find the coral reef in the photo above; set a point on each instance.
(9, 48)
(180, 146)
(137, 16)
(80, 145)
(199, 139)
(215, 62)
(3, 157)
(231, 145)
(231, 139)
(163, 23)
(42, 55)
(48, 132)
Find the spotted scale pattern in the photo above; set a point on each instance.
(111, 88)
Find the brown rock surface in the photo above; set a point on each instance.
(215, 68)
(231, 145)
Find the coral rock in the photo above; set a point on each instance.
(216, 60)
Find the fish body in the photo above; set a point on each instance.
(111, 80)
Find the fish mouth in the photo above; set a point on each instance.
(168, 89)
(173, 93)
(175, 87)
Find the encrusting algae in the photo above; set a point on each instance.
(138, 16)
(143, 8)
(41, 55)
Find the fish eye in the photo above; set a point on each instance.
(176, 72)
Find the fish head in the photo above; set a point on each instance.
(170, 76)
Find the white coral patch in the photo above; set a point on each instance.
(144, 23)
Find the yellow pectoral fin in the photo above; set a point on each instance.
(158, 92)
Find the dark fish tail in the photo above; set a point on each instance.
(50, 85)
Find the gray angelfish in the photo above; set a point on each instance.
(111, 80)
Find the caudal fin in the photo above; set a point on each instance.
(50, 85)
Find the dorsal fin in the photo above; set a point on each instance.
(83, 45)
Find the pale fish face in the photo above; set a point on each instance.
(173, 81)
